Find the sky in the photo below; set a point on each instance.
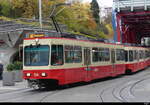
(106, 3)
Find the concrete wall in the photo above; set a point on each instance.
(6, 54)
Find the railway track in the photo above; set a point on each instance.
(122, 91)
(119, 89)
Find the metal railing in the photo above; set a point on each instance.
(131, 4)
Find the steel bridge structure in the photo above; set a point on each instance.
(131, 20)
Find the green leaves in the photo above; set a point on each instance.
(95, 11)
(15, 66)
(10, 67)
(5, 8)
(79, 18)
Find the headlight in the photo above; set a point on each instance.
(28, 74)
(43, 74)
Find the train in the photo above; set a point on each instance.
(56, 61)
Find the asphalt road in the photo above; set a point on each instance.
(124, 88)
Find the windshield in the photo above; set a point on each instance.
(36, 55)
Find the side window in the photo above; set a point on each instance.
(100, 54)
(140, 54)
(126, 55)
(69, 54)
(120, 55)
(131, 56)
(146, 54)
(136, 55)
(95, 54)
(73, 54)
(57, 55)
(106, 54)
(77, 54)
(143, 54)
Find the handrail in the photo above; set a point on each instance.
(132, 4)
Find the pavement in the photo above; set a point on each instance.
(18, 85)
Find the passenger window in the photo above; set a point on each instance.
(73, 54)
(57, 55)
(140, 54)
(95, 54)
(105, 54)
(126, 56)
(136, 55)
(131, 56)
(77, 54)
(100, 54)
(146, 54)
(120, 55)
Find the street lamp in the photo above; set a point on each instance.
(40, 13)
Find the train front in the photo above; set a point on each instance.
(36, 58)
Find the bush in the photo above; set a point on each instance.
(18, 65)
(15, 66)
(10, 67)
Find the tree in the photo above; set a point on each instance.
(27, 8)
(95, 10)
(108, 19)
(47, 6)
(5, 8)
(1, 10)
(78, 17)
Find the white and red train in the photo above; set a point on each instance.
(58, 61)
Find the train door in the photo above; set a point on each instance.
(87, 63)
(113, 61)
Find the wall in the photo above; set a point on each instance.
(6, 53)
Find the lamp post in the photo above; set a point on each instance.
(40, 13)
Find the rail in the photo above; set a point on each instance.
(131, 5)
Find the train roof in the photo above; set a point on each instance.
(91, 40)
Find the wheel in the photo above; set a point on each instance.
(128, 72)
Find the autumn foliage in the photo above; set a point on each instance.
(78, 17)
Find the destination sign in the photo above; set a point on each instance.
(36, 35)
